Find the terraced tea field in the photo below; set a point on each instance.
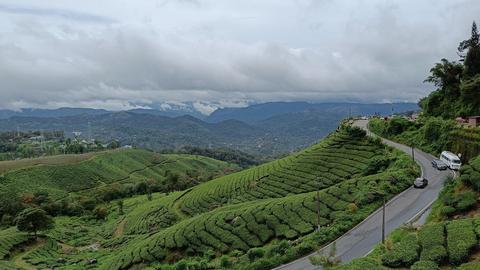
(10, 238)
(284, 208)
(104, 168)
(272, 202)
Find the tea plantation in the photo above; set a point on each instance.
(104, 168)
(238, 213)
(9, 239)
(338, 158)
(253, 219)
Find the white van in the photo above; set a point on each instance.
(452, 160)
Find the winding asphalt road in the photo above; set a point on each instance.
(404, 208)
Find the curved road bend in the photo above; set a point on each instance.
(401, 209)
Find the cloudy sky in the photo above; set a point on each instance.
(118, 54)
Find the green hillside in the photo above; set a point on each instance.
(260, 207)
(253, 219)
(122, 166)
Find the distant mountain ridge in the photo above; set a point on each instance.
(265, 130)
(67, 111)
(259, 112)
(60, 112)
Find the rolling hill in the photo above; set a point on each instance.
(59, 178)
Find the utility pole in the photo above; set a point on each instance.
(89, 132)
(318, 204)
(413, 153)
(383, 220)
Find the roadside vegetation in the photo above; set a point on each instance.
(430, 134)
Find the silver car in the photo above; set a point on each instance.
(420, 182)
(439, 165)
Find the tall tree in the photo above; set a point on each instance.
(446, 76)
(472, 57)
(33, 220)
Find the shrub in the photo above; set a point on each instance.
(404, 253)
(397, 126)
(100, 212)
(432, 235)
(466, 200)
(447, 210)
(280, 248)
(264, 264)
(255, 253)
(225, 261)
(461, 239)
(304, 248)
(435, 254)
(377, 164)
(432, 240)
(356, 132)
(469, 266)
(352, 207)
(424, 265)
(360, 264)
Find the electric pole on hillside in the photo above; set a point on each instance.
(413, 152)
(384, 198)
(89, 132)
(383, 220)
(318, 204)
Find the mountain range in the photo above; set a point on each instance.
(268, 129)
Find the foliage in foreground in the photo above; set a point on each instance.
(433, 245)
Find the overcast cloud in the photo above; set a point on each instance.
(120, 54)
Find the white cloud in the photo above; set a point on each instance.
(223, 53)
(203, 108)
